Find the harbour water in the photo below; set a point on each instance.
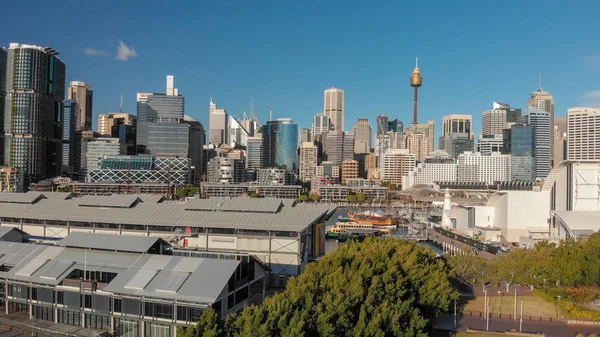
(331, 244)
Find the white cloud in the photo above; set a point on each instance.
(92, 51)
(124, 52)
(592, 94)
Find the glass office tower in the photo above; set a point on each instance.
(280, 144)
(33, 114)
(519, 142)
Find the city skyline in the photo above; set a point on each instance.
(292, 82)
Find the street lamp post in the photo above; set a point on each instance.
(499, 305)
(515, 311)
(558, 312)
(545, 287)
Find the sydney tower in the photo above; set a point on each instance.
(416, 80)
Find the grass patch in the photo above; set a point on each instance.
(532, 306)
(568, 309)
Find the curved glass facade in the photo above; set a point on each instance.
(287, 145)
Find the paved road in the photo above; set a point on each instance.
(554, 329)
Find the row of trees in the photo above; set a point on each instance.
(572, 263)
(380, 287)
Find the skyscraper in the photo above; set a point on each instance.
(457, 134)
(35, 90)
(362, 136)
(3, 56)
(382, 124)
(542, 131)
(305, 135)
(69, 141)
(559, 140)
(543, 101)
(254, 153)
(419, 139)
(107, 121)
(583, 128)
(519, 142)
(279, 144)
(499, 118)
(394, 164)
(82, 93)
(308, 161)
(340, 147)
(321, 124)
(160, 131)
(218, 124)
(334, 108)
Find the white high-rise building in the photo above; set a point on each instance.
(418, 144)
(431, 173)
(583, 133)
(394, 164)
(218, 123)
(475, 167)
(362, 136)
(488, 144)
(308, 161)
(334, 108)
(236, 133)
(321, 124)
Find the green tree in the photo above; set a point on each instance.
(352, 197)
(360, 197)
(381, 287)
(253, 195)
(304, 197)
(68, 188)
(209, 325)
(315, 197)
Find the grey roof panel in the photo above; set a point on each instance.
(141, 279)
(20, 198)
(234, 205)
(31, 267)
(116, 200)
(173, 282)
(57, 269)
(122, 243)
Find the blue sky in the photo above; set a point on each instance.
(284, 53)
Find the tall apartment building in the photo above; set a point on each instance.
(362, 136)
(218, 124)
(542, 138)
(418, 144)
(254, 153)
(321, 124)
(334, 108)
(308, 161)
(394, 164)
(497, 119)
(305, 135)
(94, 149)
(426, 143)
(82, 93)
(3, 63)
(340, 146)
(223, 170)
(457, 134)
(69, 139)
(350, 170)
(543, 101)
(275, 176)
(107, 121)
(559, 140)
(519, 143)
(35, 90)
(583, 133)
(370, 164)
(475, 167)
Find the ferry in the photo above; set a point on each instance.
(342, 228)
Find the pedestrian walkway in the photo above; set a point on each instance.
(550, 327)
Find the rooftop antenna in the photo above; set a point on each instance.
(271, 113)
(121, 105)
(540, 81)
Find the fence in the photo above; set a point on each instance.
(510, 317)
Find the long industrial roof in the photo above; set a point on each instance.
(119, 243)
(179, 278)
(253, 214)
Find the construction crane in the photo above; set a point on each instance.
(254, 118)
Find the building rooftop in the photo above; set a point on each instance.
(187, 279)
(242, 213)
(118, 243)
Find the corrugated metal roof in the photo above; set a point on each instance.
(294, 219)
(20, 198)
(54, 195)
(117, 200)
(119, 243)
(234, 205)
(6, 229)
(207, 277)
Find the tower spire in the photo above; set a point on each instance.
(417, 62)
(540, 81)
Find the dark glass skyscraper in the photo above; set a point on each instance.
(33, 114)
(519, 142)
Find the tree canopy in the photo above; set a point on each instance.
(380, 287)
(572, 263)
(187, 191)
